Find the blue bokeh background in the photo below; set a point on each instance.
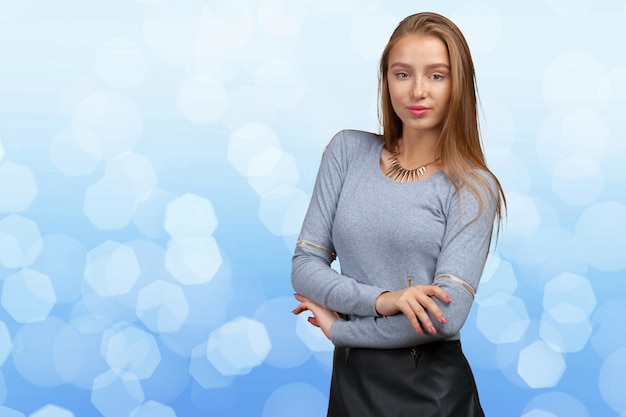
(156, 161)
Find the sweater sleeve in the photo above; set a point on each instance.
(311, 274)
(460, 264)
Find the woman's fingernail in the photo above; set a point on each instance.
(443, 320)
(433, 330)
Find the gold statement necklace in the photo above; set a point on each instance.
(397, 173)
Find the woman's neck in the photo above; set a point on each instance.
(415, 150)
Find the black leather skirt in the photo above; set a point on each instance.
(431, 380)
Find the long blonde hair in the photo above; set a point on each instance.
(459, 146)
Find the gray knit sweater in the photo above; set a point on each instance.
(382, 232)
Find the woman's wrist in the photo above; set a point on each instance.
(379, 304)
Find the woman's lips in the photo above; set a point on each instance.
(418, 111)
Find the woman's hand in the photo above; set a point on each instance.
(415, 303)
(322, 317)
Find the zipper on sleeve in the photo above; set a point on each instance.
(459, 282)
(303, 242)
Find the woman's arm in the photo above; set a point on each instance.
(311, 274)
(459, 266)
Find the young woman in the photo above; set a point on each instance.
(410, 215)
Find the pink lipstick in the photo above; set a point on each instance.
(418, 111)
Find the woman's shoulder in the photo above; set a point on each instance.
(351, 141)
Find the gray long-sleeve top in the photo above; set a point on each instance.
(383, 232)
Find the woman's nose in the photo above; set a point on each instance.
(419, 89)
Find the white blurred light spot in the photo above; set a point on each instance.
(247, 143)
(63, 260)
(538, 413)
(190, 216)
(616, 107)
(560, 85)
(109, 207)
(72, 95)
(120, 63)
(114, 396)
(204, 372)
(288, 351)
(35, 352)
(608, 317)
(28, 296)
(499, 129)
(162, 306)
(225, 25)
(501, 278)
(149, 217)
(282, 210)
(18, 187)
(540, 366)
(170, 31)
(113, 118)
(75, 157)
(193, 260)
(249, 104)
(83, 361)
(311, 336)
(5, 343)
(577, 181)
(502, 318)
(565, 328)
(265, 162)
(582, 132)
(284, 174)
(202, 101)
(569, 289)
(131, 173)
(331, 8)
(130, 352)
(112, 269)
(550, 251)
(20, 241)
(128, 180)
(481, 25)
(523, 218)
(51, 410)
(281, 18)
(601, 232)
(288, 400)
(152, 409)
(571, 8)
(9, 412)
(511, 169)
(283, 81)
(238, 346)
(611, 381)
(555, 404)
(370, 31)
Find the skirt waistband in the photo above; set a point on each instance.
(414, 351)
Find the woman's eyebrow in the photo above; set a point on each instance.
(438, 65)
(400, 65)
(429, 66)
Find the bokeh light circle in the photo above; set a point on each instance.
(601, 232)
(288, 400)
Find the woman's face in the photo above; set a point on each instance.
(418, 77)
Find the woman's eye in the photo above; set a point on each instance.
(437, 77)
(402, 75)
